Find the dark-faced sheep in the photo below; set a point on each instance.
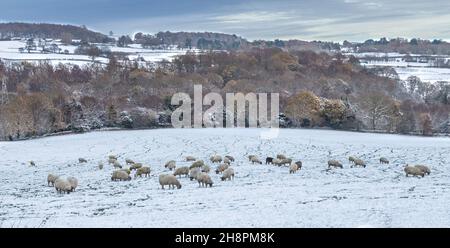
(145, 170)
(193, 173)
(51, 179)
(82, 160)
(63, 186)
(231, 158)
(293, 168)
(226, 160)
(334, 163)
(215, 159)
(32, 163)
(112, 157)
(169, 180)
(269, 160)
(359, 162)
(120, 176)
(384, 160)
(228, 174)
(299, 164)
(206, 168)
(73, 183)
(423, 168)
(181, 171)
(197, 164)
(204, 179)
(414, 171)
(171, 165)
(222, 168)
(256, 160)
(190, 158)
(117, 165)
(281, 156)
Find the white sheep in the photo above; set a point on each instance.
(145, 170)
(215, 159)
(100, 165)
(222, 168)
(255, 159)
(113, 157)
(112, 160)
(120, 176)
(170, 180)
(197, 164)
(227, 174)
(334, 163)
(358, 162)
(73, 183)
(351, 159)
(226, 160)
(193, 173)
(51, 179)
(293, 168)
(204, 179)
(63, 186)
(135, 166)
(116, 164)
(286, 161)
(411, 170)
(250, 157)
(181, 171)
(281, 156)
(171, 165)
(129, 161)
(206, 168)
(277, 162)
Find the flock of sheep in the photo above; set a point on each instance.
(199, 170)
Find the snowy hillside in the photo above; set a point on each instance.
(9, 51)
(259, 196)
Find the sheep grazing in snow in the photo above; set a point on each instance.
(120, 176)
(197, 164)
(73, 183)
(32, 163)
(114, 157)
(170, 180)
(334, 163)
(359, 162)
(277, 162)
(384, 160)
(100, 165)
(112, 160)
(412, 170)
(116, 164)
(204, 179)
(299, 164)
(143, 171)
(206, 168)
(227, 174)
(82, 160)
(215, 159)
(286, 161)
(269, 160)
(181, 171)
(190, 158)
(293, 168)
(423, 168)
(135, 166)
(351, 159)
(222, 168)
(51, 179)
(250, 157)
(226, 160)
(129, 161)
(231, 158)
(281, 156)
(256, 160)
(170, 165)
(127, 170)
(193, 173)
(63, 186)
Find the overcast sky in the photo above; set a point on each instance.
(336, 20)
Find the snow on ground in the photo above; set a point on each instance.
(260, 195)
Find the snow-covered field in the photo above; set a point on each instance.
(260, 195)
(9, 51)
